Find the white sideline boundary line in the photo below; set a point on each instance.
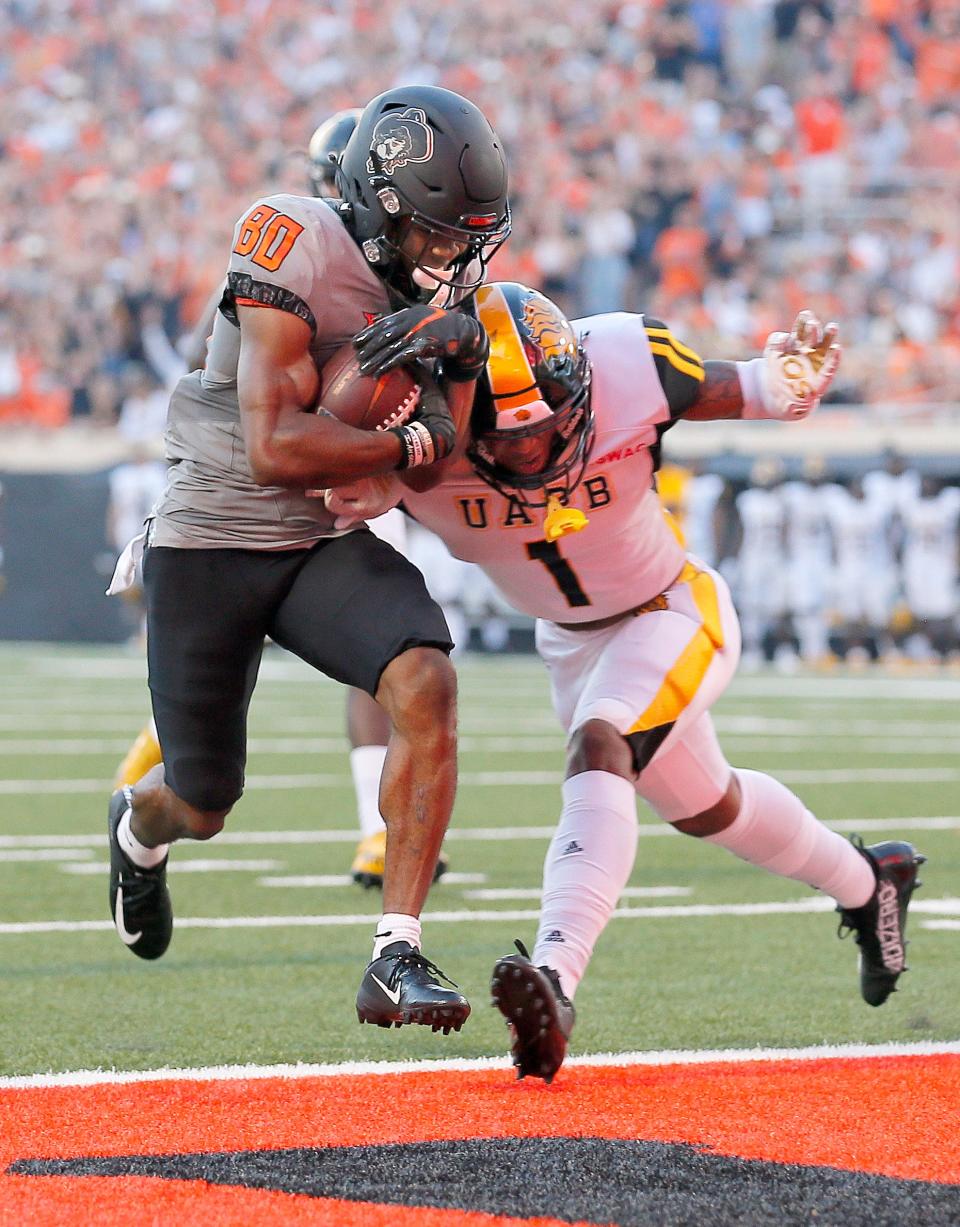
(225, 1073)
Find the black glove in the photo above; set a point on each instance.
(424, 332)
(430, 434)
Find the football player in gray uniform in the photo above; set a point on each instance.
(237, 550)
(368, 726)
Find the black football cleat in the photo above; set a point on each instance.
(539, 1016)
(880, 924)
(139, 899)
(401, 986)
(367, 867)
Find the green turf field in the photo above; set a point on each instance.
(861, 749)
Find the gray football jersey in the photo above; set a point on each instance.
(292, 253)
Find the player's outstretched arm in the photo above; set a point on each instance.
(786, 383)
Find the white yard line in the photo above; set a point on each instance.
(816, 904)
(899, 689)
(233, 1073)
(629, 892)
(781, 743)
(45, 854)
(247, 838)
(45, 747)
(188, 865)
(513, 779)
(322, 880)
(466, 835)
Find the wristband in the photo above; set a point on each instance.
(753, 387)
(417, 443)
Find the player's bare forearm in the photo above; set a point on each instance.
(720, 396)
(277, 380)
(315, 451)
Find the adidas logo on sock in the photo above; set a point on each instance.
(571, 848)
(554, 936)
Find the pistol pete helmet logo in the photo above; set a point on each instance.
(398, 140)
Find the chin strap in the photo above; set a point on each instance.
(560, 520)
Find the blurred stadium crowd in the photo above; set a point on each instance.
(718, 164)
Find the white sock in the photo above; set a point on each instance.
(139, 853)
(776, 831)
(586, 868)
(396, 927)
(366, 764)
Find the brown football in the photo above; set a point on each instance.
(368, 402)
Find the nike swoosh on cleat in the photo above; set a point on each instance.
(126, 937)
(392, 993)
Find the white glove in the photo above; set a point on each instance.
(795, 371)
(364, 499)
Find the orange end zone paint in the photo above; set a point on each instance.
(893, 1116)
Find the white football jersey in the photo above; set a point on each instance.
(134, 490)
(930, 554)
(761, 517)
(628, 552)
(807, 509)
(699, 505)
(894, 490)
(930, 527)
(861, 533)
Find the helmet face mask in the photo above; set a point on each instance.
(535, 390)
(424, 160)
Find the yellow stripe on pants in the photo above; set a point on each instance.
(683, 681)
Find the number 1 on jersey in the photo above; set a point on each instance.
(564, 576)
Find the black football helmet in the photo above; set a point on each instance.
(537, 379)
(326, 146)
(424, 156)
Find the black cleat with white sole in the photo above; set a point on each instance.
(539, 1016)
(139, 899)
(401, 986)
(879, 925)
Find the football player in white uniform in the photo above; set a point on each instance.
(701, 497)
(865, 569)
(760, 576)
(554, 498)
(930, 574)
(806, 503)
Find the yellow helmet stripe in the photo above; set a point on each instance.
(511, 376)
